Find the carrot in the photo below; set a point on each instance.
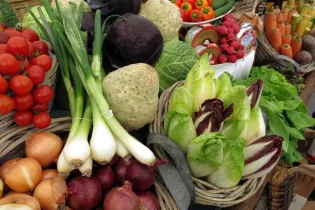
(296, 45)
(281, 27)
(286, 9)
(277, 11)
(286, 39)
(289, 17)
(279, 17)
(270, 21)
(287, 28)
(285, 16)
(275, 39)
(286, 50)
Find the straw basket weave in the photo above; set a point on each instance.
(206, 194)
(245, 6)
(12, 145)
(22, 6)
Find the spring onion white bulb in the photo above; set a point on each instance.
(63, 167)
(102, 143)
(86, 168)
(121, 150)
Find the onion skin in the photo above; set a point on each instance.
(45, 147)
(122, 198)
(141, 176)
(148, 200)
(14, 193)
(85, 193)
(3, 170)
(106, 176)
(23, 175)
(49, 174)
(121, 168)
(19, 200)
(51, 193)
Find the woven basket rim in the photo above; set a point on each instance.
(206, 193)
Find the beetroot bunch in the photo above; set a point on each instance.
(231, 47)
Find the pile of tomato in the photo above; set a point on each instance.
(195, 10)
(24, 62)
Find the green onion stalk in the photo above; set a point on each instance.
(108, 135)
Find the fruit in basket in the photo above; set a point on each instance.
(169, 24)
(201, 4)
(3, 37)
(4, 85)
(185, 15)
(303, 57)
(196, 15)
(207, 13)
(6, 104)
(44, 61)
(23, 118)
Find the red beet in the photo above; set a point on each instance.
(106, 176)
(230, 30)
(121, 168)
(122, 198)
(223, 40)
(222, 30)
(235, 44)
(236, 28)
(222, 59)
(230, 50)
(224, 47)
(239, 54)
(232, 58)
(141, 176)
(149, 201)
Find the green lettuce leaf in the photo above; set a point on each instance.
(180, 128)
(176, 61)
(225, 84)
(205, 153)
(232, 129)
(230, 172)
(183, 101)
(256, 125)
(299, 120)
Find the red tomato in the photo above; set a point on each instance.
(4, 85)
(41, 47)
(23, 118)
(24, 64)
(43, 94)
(21, 85)
(36, 74)
(3, 37)
(31, 50)
(6, 104)
(3, 48)
(9, 65)
(17, 46)
(42, 120)
(12, 32)
(29, 35)
(44, 61)
(40, 107)
(24, 102)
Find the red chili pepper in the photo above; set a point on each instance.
(186, 7)
(195, 15)
(185, 15)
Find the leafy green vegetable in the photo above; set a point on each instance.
(200, 81)
(230, 172)
(286, 111)
(29, 21)
(205, 153)
(256, 125)
(180, 128)
(182, 100)
(232, 129)
(7, 14)
(175, 62)
(225, 84)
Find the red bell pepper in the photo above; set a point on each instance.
(185, 15)
(196, 16)
(192, 2)
(186, 7)
(201, 4)
(177, 2)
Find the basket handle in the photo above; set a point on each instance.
(177, 177)
(296, 66)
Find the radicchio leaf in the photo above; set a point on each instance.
(211, 116)
(254, 92)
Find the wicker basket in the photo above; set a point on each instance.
(21, 6)
(12, 146)
(206, 194)
(245, 6)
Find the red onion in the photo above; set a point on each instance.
(149, 201)
(122, 198)
(121, 168)
(106, 176)
(115, 159)
(85, 193)
(141, 176)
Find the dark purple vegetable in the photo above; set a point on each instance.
(121, 168)
(106, 176)
(254, 92)
(115, 7)
(211, 116)
(148, 200)
(133, 39)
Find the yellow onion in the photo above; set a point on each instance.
(23, 175)
(14, 193)
(1, 188)
(44, 147)
(49, 174)
(51, 193)
(19, 201)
